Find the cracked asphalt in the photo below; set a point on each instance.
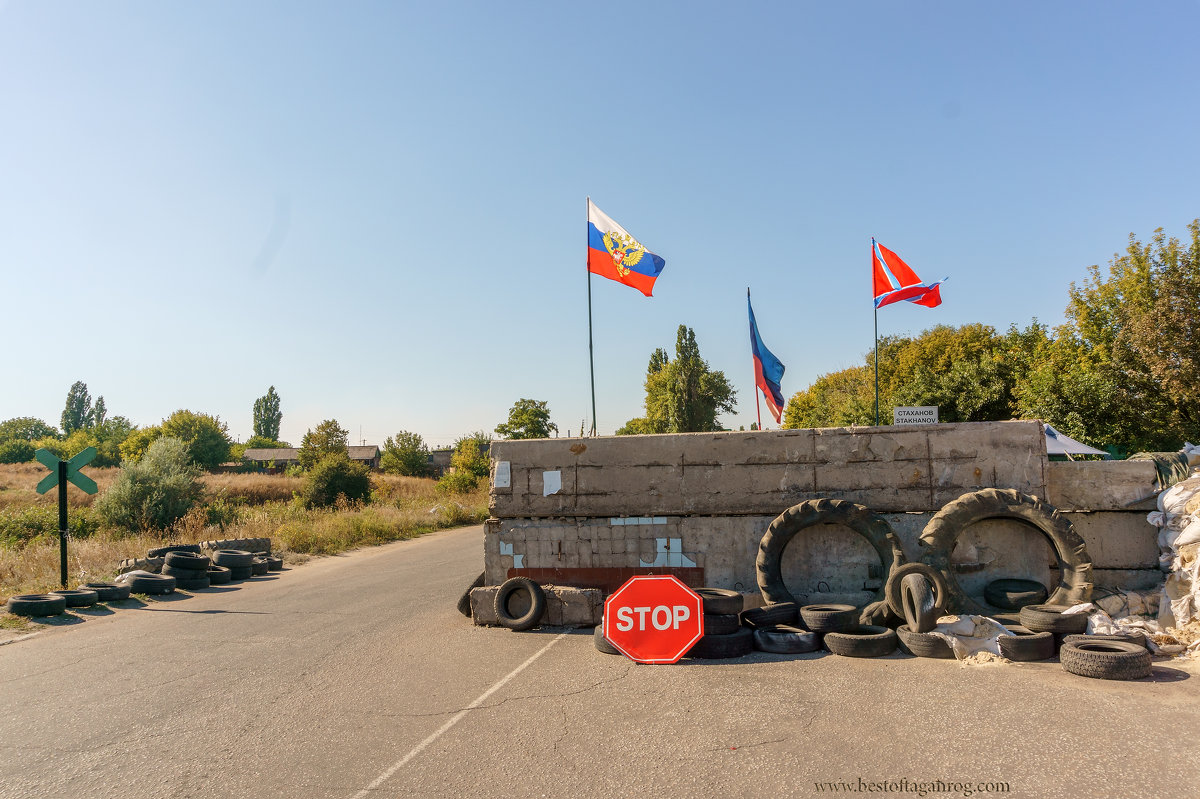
(354, 676)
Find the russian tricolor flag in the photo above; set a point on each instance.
(616, 255)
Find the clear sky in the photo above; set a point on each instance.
(379, 208)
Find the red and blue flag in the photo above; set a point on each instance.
(893, 280)
(616, 255)
(768, 371)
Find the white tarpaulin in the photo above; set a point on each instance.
(1060, 444)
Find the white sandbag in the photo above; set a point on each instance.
(1189, 534)
(970, 635)
(1156, 518)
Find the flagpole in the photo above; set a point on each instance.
(876, 310)
(591, 354)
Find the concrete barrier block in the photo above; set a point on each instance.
(1107, 580)
(1117, 539)
(565, 606)
(1102, 485)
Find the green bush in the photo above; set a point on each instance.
(16, 451)
(406, 454)
(154, 493)
(20, 526)
(206, 437)
(457, 482)
(336, 476)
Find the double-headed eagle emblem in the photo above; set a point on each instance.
(624, 250)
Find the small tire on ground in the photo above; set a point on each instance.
(862, 641)
(922, 645)
(240, 573)
(78, 597)
(722, 647)
(785, 613)
(108, 592)
(531, 617)
(895, 578)
(36, 604)
(151, 584)
(185, 574)
(233, 558)
(186, 560)
(219, 575)
(1025, 645)
(1014, 594)
(720, 601)
(1051, 619)
(1105, 660)
(829, 618)
(158, 552)
(784, 639)
(464, 601)
(921, 611)
(720, 623)
(274, 563)
(602, 644)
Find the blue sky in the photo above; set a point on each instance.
(379, 208)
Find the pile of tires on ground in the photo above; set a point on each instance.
(183, 567)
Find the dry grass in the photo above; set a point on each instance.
(403, 507)
(18, 482)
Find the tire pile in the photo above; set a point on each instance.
(183, 567)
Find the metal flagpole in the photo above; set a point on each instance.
(757, 400)
(591, 354)
(876, 307)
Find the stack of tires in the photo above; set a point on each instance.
(842, 634)
(239, 563)
(190, 570)
(724, 637)
(776, 629)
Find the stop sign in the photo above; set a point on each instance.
(654, 619)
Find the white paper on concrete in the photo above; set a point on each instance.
(551, 483)
(503, 474)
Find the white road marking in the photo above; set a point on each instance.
(416, 750)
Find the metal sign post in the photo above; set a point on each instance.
(61, 473)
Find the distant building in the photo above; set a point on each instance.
(280, 458)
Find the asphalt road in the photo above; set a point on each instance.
(355, 677)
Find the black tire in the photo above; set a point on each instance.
(159, 552)
(1050, 619)
(185, 574)
(151, 584)
(785, 613)
(829, 618)
(1105, 660)
(783, 529)
(723, 647)
(108, 592)
(233, 558)
(464, 601)
(1129, 636)
(537, 604)
(1012, 594)
(862, 641)
(783, 639)
(720, 623)
(78, 597)
(240, 573)
(219, 575)
(1025, 645)
(186, 560)
(274, 563)
(193, 585)
(258, 567)
(922, 645)
(891, 588)
(920, 610)
(36, 604)
(943, 530)
(601, 642)
(720, 601)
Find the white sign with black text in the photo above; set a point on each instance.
(923, 414)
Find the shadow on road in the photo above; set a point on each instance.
(61, 620)
(211, 611)
(96, 610)
(1166, 674)
(126, 604)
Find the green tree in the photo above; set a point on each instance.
(99, 413)
(135, 445)
(267, 415)
(25, 428)
(328, 438)
(684, 395)
(78, 412)
(837, 399)
(406, 454)
(16, 450)
(206, 437)
(527, 419)
(334, 475)
(155, 492)
(470, 454)
(108, 435)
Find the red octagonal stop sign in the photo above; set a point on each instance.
(654, 619)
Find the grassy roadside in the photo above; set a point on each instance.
(243, 506)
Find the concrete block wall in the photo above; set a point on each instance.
(697, 505)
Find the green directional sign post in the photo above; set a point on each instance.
(61, 473)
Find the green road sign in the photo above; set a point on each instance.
(81, 480)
